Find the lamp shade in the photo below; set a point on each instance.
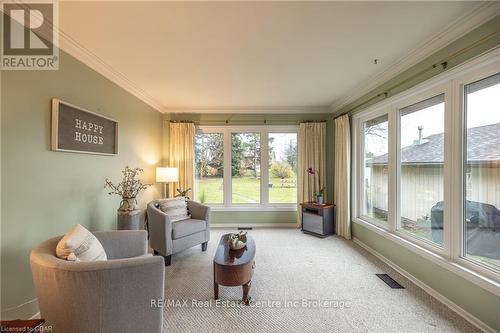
(167, 175)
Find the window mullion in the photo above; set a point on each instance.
(458, 188)
(393, 170)
(264, 168)
(227, 168)
(451, 175)
(360, 199)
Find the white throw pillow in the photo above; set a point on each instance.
(79, 244)
(175, 208)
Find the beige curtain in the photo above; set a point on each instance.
(181, 154)
(312, 154)
(342, 188)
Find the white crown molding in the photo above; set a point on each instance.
(249, 110)
(464, 24)
(461, 26)
(87, 57)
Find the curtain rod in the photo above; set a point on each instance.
(242, 122)
(443, 64)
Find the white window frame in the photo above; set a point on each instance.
(264, 131)
(395, 126)
(451, 83)
(361, 170)
(459, 84)
(204, 130)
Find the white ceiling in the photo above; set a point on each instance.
(246, 55)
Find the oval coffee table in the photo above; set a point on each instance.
(234, 267)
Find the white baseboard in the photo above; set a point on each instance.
(443, 299)
(253, 225)
(22, 309)
(36, 316)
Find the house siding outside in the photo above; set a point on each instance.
(424, 188)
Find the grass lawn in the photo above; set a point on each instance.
(209, 190)
(283, 191)
(246, 190)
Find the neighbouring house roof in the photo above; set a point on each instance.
(483, 145)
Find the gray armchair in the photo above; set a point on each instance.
(116, 295)
(167, 238)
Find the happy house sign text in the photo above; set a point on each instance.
(88, 132)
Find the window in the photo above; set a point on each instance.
(282, 151)
(481, 223)
(209, 167)
(245, 168)
(421, 140)
(252, 166)
(426, 170)
(375, 180)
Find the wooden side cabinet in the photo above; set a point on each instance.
(318, 220)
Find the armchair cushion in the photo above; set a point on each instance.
(175, 208)
(187, 227)
(79, 244)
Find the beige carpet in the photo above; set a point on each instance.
(293, 267)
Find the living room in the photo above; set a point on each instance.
(250, 166)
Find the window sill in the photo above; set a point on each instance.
(478, 279)
(255, 208)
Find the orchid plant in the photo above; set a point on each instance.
(312, 174)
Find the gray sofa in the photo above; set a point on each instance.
(101, 296)
(167, 238)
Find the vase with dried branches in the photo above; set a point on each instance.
(128, 189)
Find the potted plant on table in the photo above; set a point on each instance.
(183, 193)
(128, 189)
(318, 195)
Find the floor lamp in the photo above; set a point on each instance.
(166, 176)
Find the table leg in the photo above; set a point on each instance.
(246, 290)
(216, 286)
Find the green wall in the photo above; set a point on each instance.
(219, 119)
(477, 301)
(257, 218)
(43, 192)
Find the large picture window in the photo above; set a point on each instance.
(282, 151)
(209, 167)
(426, 169)
(481, 223)
(254, 166)
(375, 180)
(245, 168)
(421, 138)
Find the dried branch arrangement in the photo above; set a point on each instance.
(129, 187)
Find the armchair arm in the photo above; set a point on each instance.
(123, 243)
(160, 230)
(199, 211)
(138, 287)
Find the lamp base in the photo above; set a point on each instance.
(166, 189)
